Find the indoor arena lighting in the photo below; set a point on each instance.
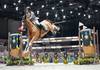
(16, 8)
(47, 13)
(42, 6)
(56, 15)
(60, 1)
(53, 8)
(5, 6)
(70, 4)
(80, 6)
(79, 14)
(71, 12)
(31, 3)
(99, 2)
(19, 1)
(89, 16)
(38, 12)
(84, 15)
(62, 10)
(96, 10)
(64, 17)
(14, 4)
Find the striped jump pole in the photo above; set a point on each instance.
(97, 43)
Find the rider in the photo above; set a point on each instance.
(30, 14)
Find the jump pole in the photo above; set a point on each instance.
(97, 39)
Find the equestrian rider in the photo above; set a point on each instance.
(30, 14)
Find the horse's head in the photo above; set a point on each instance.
(53, 28)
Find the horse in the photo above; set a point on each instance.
(34, 34)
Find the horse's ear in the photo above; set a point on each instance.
(25, 17)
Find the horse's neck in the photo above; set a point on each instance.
(30, 25)
(48, 24)
(31, 28)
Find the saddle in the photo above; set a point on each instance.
(38, 26)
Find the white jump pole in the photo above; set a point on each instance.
(60, 39)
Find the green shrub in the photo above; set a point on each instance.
(86, 60)
(75, 62)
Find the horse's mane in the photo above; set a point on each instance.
(49, 21)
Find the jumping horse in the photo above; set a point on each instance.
(35, 33)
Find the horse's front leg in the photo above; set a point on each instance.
(31, 41)
(30, 46)
(34, 38)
